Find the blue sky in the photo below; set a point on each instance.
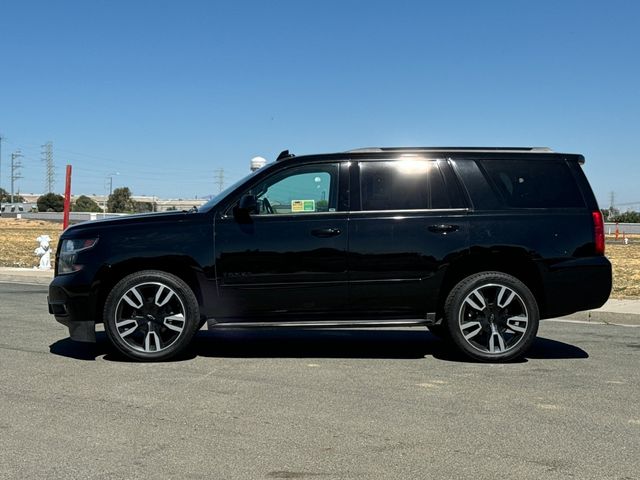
(165, 92)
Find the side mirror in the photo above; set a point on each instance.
(249, 204)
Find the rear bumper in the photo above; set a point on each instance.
(575, 285)
(73, 306)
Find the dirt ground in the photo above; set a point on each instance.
(626, 266)
(18, 241)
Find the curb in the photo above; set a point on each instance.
(25, 275)
(598, 316)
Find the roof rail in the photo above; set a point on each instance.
(451, 149)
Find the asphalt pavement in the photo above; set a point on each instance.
(297, 404)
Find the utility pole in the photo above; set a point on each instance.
(50, 169)
(16, 165)
(106, 198)
(219, 178)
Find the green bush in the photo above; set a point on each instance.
(50, 202)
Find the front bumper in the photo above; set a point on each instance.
(73, 305)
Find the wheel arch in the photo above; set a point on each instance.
(109, 275)
(512, 261)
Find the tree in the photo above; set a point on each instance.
(5, 197)
(143, 207)
(50, 202)
(85, 204)
(120, 201)
(626, 217)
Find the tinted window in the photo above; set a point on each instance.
(307, 189)
(534, 183)
(402, 185)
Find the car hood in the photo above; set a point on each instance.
(95, 226)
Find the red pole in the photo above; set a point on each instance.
(67, 199)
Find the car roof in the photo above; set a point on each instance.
(475, 152)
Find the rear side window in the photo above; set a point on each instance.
(533, 183)
(402, 185)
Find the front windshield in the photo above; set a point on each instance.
(214, 201)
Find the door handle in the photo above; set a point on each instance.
(443, 228)
(326, 232)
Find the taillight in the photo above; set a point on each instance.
(598, 232)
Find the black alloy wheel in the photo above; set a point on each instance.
(492, 317)
(151, 315)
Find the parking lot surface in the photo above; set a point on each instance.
(310, 404)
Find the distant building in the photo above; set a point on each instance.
(18, 207)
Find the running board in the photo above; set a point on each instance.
(212, 324)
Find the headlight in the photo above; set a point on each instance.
(67, 261)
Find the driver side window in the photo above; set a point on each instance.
(306, 189)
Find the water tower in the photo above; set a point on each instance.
(257, 163)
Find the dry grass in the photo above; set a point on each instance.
(18, 241)
(626, 266)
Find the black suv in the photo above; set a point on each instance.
(477, 244)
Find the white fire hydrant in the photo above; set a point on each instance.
(44, 252)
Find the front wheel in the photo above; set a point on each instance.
(492, 317)
(151, 315)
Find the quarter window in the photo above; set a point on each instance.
(402, 185)
(534, 183)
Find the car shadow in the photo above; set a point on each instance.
(314, 343)
(81, 350)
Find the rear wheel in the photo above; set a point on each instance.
(151, 315)
(492, 316)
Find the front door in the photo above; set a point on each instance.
(287, 260)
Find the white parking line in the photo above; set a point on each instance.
(589, 323)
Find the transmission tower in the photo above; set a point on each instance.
(16, 165)
(612, 199)
(50, 169)
(219, 178)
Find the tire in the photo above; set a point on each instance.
(151, 315)
(492, 317)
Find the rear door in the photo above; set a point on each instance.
(408, 223)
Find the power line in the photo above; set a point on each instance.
(50, 169)
(16, 165)
(88, 165)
